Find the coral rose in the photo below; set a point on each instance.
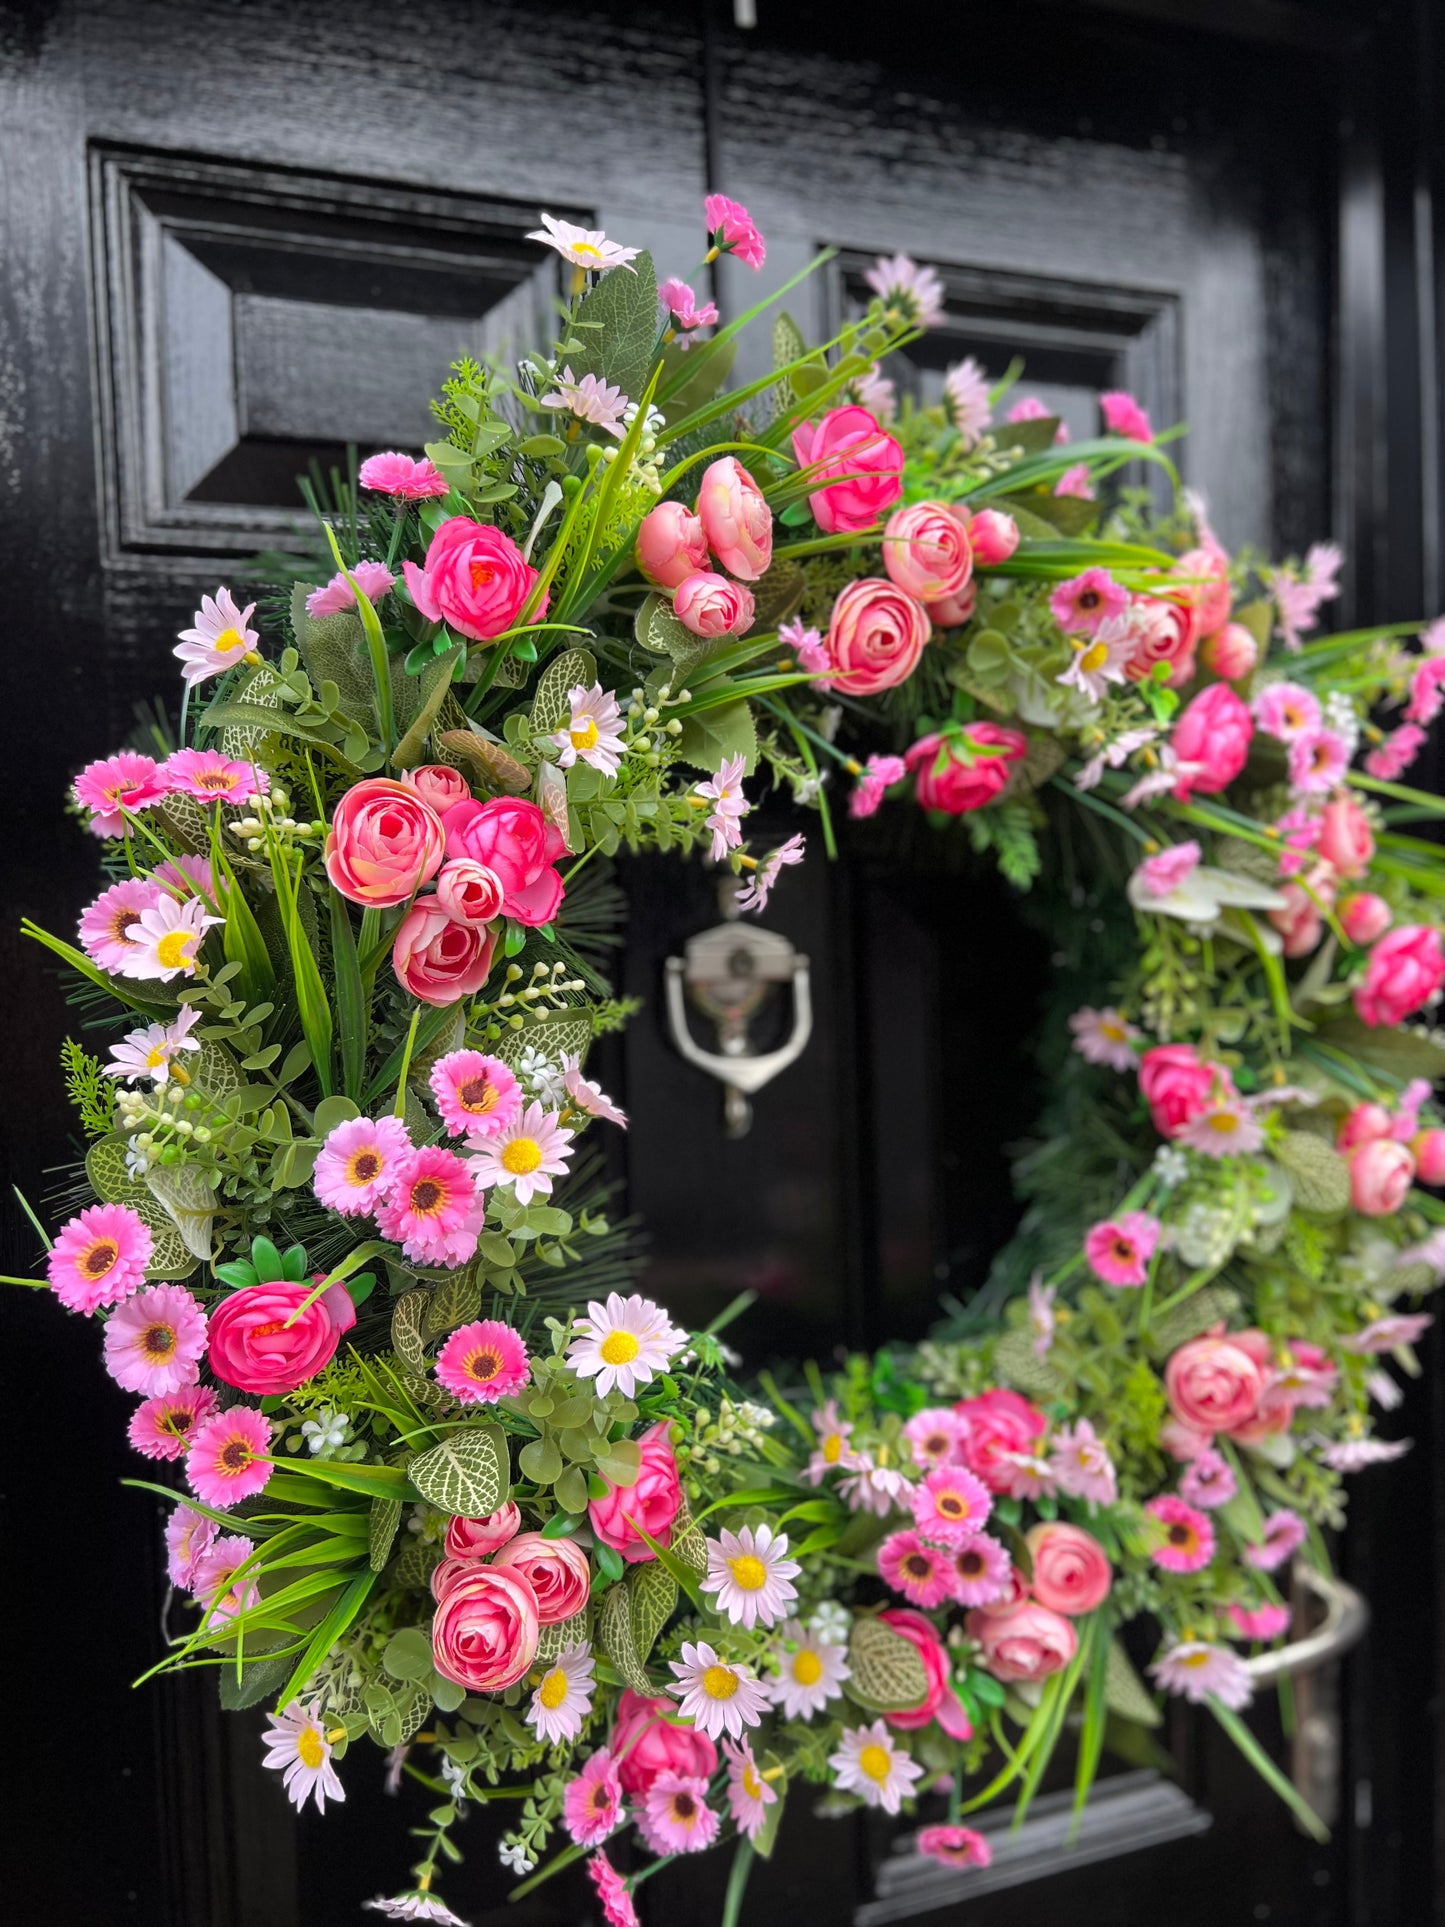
(671, 544)
(1176, 1085)
(475, 1538)
(643, 1744)
(556, 1570)
(926, 551)
(737, 521)
(1346, 839)
(966, 768)
(437, 784)
(1027, 1642)
(1231, 652)
(484, 1633)
(1163, 631)
(474, 578)
(385, 841)
(1381, 1174)
(996, 1422)
(940, 1702)
(1213, 1385)
(857, 469)
(252, 1347)
(652, 1502)
(710, 605)
(1071, 1569)
(437, 959)
(510, 837)
(1402, 973)
(469, 892)
(993, 536)
(875, 636)
(1213, 736)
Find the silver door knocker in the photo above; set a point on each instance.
(728, 973)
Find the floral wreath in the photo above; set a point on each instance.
(445, 1482)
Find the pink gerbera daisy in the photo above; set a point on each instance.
(527, 1154)
(733, 230)
(676, 1817)
(188, 1534)
(408, 479)
(1183, 1538)
(477, 1096)
(433, 1210)
(950, 1505)
(1085, 602)
(1284, 1534)
(227, 1461)
(1287, 710)
(219, 640)
(749, 1795)
(154, 1341)
(612, 1892)
(214, 1580)
(163, 1427)
(919, 1571)
(1119, 1249)
(1391, 758)
(935, 1436)
(373, 579)
(110, 927)
(209, 777)
(1080, 1465)
(357, 1165)
(1317, 762)
(980, 1572)
(483, 1362)
(955, 1846)
(1208, 1480)
(125, 781)
(99, 1257)
(592, 1803)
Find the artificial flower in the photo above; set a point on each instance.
(934, 1435)
(154, 1340)
(877, 776)
(913, 292)
(966, 399)
(432, 1210)
(676, 1817)
(373, 579)
(563, 1696)
(751, 1574)
(950, 1505)
(811, 1671)
(1284, 1533)
(99, 1257)
(188, 1535)
(681, 303)
(623, 1344)
(587, 1096)
(356, 1167)
(612, 1892)
(151, 1052)
(228, 1459)
(1119, 1249)
(980, 1571)
(161, 1427)
(1208, 1480)
(592, 1802)
(954, 1846)
(117, 785)
(1183, 1538)
(920, 1571)
(733, 230)
(590, 399)
(1105, 1037)
(403, 477)
(478, 1096)
(592, 732)
(415, 1906)
(870, 1763)
(482, 1362)
(165, 939)
(716, 1696)
(1082, 605)
(586, 248)
(218, 640)
(755, 893)
(1080, 1465)
(110, 932)
(1201, 1672)
(729, 806)
(220, 1582)
(300, 1750)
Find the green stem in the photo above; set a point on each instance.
(737, 1883)
(399, 1108)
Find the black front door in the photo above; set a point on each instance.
(239, 237)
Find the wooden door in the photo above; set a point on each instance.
(238, 237)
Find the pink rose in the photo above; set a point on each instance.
(475, 1538)
(966, 768)
(1209, 589)
(710, 605)
(857, 469)
(252, 1347)
(510, 837)
(1365, 1123)
(952, 611)
(438, 960)
(643, 1744)
(926, 551)
(385, 841)
(1231, 652)
(940, 1702)
(671, 544)
(1027, 1642)
(996, 1422)
(484, 1633)
(994, 536)
(1429, 1152)
(474, 578)
(1381, 1173)
(1402, 973)
(1213, 1384)
(1346, 839)
(1164, 632)
(1364, 916)
(1214, 732)
(469, 892)
(652, 1502)
(1176, 1085)
(737, 521)
(875, 636)
(1071, 1569)
(556, 1570)
(437, 784)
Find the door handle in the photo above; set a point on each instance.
(728, 972)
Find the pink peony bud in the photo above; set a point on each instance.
(1364, 917)
(1428, 1148)
(1381, 1173)
(1231, 652)
(737, 521)
(994, 536)
(710, 605)
(926, 551)
(671, 544)
(952, 611)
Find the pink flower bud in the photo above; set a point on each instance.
(710, 605)
(1363, 1125)
(952, 611)
(469, 892)
(1429, 1153)
(926, 551)
(1364, 917)
(737, 521)
(1346, 839)
(1381, 1173)
(994, 536)
(671, 544)
(1231, 652)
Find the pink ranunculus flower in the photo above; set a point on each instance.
(383, 844)
(927, 552)
(1428, 1148)
(996, 1423)
(1212, 738)
(476, 1538)
(403, 476)
(737, 521)
(651, 1503)
(644, 1744)
(966, 769)
(1027, 1642)
(1402, 973)
(556, 1570)
(1364, 916)
(1176, 1085)
(1163, 631)
(469, 892)
(875, 636)
(710, 605)
(940, 1702)
(671, 544)
(1204, 575)
(1072, 1573)
(734, 230)
(513, 839)
(993, 537)
(1231, 652)
(437, 784)
(484, 1633)
(474, 578)
(856, 469)
(253, 1347)
(1364, 1124)
(1381, 1173)
(1213, 1384)
(438, 960)
(1346, 839)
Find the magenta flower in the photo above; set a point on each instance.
(1263, 1622)
(808, 646)
(185, 875)
(125, 781)
(214, 1581)
(1390, 759)
(1085, 602)
(227, 1461)
(680, 301)
(99, 1257)
(1075, 481)
(1287, 710)
(1123, 416)
(154, 1341)
(433, 1210)
(110, 927)
(950, 1505)
(980, 1572)
(612, 1892)
(954, 1846)
(209, 777)
(879, 774)
(357, 1165)
(921, 1572)
(188, 1534)
(935, 1436)
(733, 230)
(483, 1362)
(1161, 875)
(373, 579)
(402, 476)
(1119, 1249)
(1426, 686)
(1183, 1537)
(592, 1803)
(478, 1096)
(162, 1427)
(1284, 1534)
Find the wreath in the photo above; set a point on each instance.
(445, 1482)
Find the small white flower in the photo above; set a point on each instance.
(455, 1776)
(515, 1856)
(542, 1077)
(624, 1344)
(584, 247)
(751, 1574)
(812, 1664)
(1170, 1166)
(416, 1906)
(563, 1697)
(871, 1764)
(592, 731)
(326, 1433)
(717, 1697)
(831, 1621)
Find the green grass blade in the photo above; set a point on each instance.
(351, 1005)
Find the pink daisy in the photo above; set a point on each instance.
(1287, 710)
(357, 1165)
(403, 476)
(1385, 1334)
(1032, 408)
(1299, 592)
(980, 1572)
(1105, 1037)
(749, 1795)
(808, 646)
(679, 1819)
(1300, 833)
(1119, 1249)
(433, 1210)
(166, 939)
(527, 1154)
(1390, 760)
(99, 1257)
(1075, 481)
(875, 392)
(733, 230)
(681, 303)
(1265, 1621)
(879, 773)
(612, 1892)
(1085, 602)
(1043, 1320)
(1208, 1480)
(1123, 416)
(483, 1362)
(477, 1096)
(154, 1341)
(226, 1462)
(832, 1450)
(1317, 762)
(966, 399)
(919, 1571)
(1353, 1455)
(916, 292)
(1284, 1534)
(1080, 1465)
(1201, 1672)
(188, 1534)
(954, 1846)
(219, 640)
(162, 1427)
(373, 579)
(125, 781)
(1225, 1128)
(1426, 687)
(935, 1436)
(587, 1096)
(951, 1505)
(110, 927)
(210, 777)
(214, 1580)
(755, 893)
(592, 1803)
(1184, 1537)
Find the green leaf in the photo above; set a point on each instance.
(466, 1475)
(353, 1016)
(888, 1675)
(408, 1654)
(241, 937)
(1125, 1693)
(615, 1637)
(260, 1678)
(710, 736)
(653, 1596)
(619, 323)
(384, 1518)
(540, 1460)
(338, 1619)
(1395, 1051)
(1265, 1767)
(1319, 1175)
(550, 705)
(455, 1301)
(409, 1331)
(435, 680)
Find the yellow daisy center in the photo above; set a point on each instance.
(1223, 1122)
(553, 1689)
(586, 247)
(1094, 658)
(228, 640)
(521, 1156)
(749, 1572)
(155, 1056)
(719, 1682)
(619, 1348)
(876, 1762)
(1194, 1659)
(584, 734)
(1114, 1032)
(171, 951)
(832, 1447)
(309, 1747)
(752, 1785)
(807, 1668)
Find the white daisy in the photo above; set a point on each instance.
(624, 1343)
(811, 1668)
(831, 1621)
(527, 1155)
(165, 938)
(715, 1696)
(871, 1765)
(415, 1906)
(750, 1572)
(587, 1096)
(300, 1749)
(152, 1051)
(584, 247)
(590, 399)
(219, 640)
(563, 1698)
(593, 731)
(1099, 660)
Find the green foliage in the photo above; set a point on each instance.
(91, 1091)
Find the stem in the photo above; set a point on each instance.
(399, 1108)
(737, 1883)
